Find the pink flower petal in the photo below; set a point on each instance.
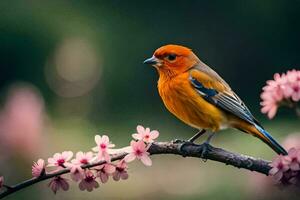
(51, 161)
(147, 131)
(98, 139)
(117, 176)
(292, 152)
(65, 185)
(79, 154)
(103, 177)
(124, 175)
(137, 136)
(96, 149)
(82, 186)
(76, 176)
(129, 157)
(272, 112)
(146, 160)
(277, 177)
(273, 171)
(154, 134)
(105, 139)
(58, 183)
(140, 129)
(295, 166)
(38, 168)
(111, 145)
(106, 157)
(108, 168)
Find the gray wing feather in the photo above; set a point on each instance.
(227, 101)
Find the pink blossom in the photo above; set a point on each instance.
(145, 134)
(121, 171)
(269, 105)
(293, 86)
(104, 171)
(291, 177)
(103, 147)
(58, 183)
(292, 141)
(89, 182)
(284, 87)
(279, 167)
(272, 95)
(76, 172)
(1, 181)
(138, 150)
(38, 168)
(293, 159)
(83, 158)
(60, 159)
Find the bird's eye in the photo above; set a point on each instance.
(171, 57)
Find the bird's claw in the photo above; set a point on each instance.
(205, 148)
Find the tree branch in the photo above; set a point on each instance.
(185, 149)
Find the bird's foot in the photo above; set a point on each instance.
(206, 146)
(205, 149)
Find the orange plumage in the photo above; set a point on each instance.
(198, 96)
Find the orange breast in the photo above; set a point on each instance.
(185, 103)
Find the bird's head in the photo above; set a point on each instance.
(172, 59)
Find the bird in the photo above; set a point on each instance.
(198, 96)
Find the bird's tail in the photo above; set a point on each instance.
(269, 140)
(257, 131)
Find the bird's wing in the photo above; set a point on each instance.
(216, 91)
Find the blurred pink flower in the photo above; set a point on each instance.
(38, 168)
(293, 159)
(263, 186)
(22, 121)
(272, 95)
(293, 87)
(83, 158)
(104, 171)
(286, 169)
(58, 183)
(291, 177)
(138, 150)
(103, 146)
(284, 87)
(1, 181)
(145, 134)
(60, 159)
(89, 182)
(292, 141)
(279, 166)
(121, 171)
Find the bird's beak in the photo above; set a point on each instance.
(151, 61)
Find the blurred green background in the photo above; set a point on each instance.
(77, 65)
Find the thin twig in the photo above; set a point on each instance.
(185, 149)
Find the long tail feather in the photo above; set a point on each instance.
(269, 140)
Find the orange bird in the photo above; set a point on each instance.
(198, 96)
